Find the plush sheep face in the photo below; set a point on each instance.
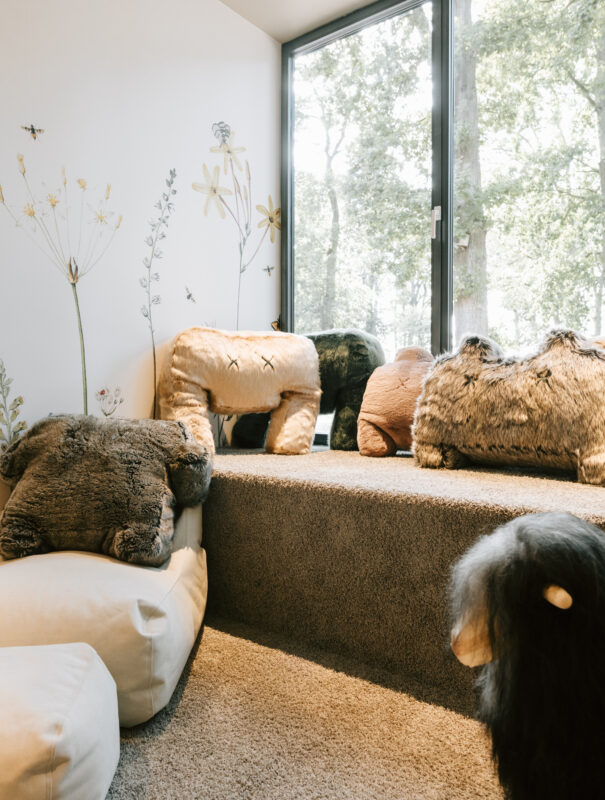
(528, 603)
(108, 486)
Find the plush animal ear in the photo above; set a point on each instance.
(470, 643)
(557, 596)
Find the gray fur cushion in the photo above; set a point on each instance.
(544, 410)
(106, 486)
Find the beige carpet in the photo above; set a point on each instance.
(250, 721)
(353, 554)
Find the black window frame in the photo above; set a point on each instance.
(442, 152)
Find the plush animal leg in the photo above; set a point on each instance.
(293, 424)
(430, 456)
(591, 468)
(372, 441)
(190, 405)
(140, 545)
(18, 539)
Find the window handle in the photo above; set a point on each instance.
(435, 218)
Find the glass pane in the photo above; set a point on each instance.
(362, 182)
(529, 232)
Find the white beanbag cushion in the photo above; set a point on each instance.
(59, 730)
(142, 621)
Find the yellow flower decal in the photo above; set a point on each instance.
(100, 217)
(21, 164)
(1, 196)
(229, 151)
(29, 210)
(52, 200)
(212, 189)
(271, 218)
(82, 184)
(119, 222)
(108, 191)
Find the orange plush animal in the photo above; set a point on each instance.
(387, 411)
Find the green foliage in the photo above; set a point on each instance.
(529, 179)
(10, 428)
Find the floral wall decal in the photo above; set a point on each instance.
(240, 207)
(72, 244)
(158, 232)
(109, 400)
(10, 428)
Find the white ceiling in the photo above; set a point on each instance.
(287, 19)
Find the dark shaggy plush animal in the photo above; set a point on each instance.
(544, 410)
(347, 358)
(107, 486)
(528, 601)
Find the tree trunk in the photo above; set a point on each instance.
(600, 108)
(329, 296)
(470, 256)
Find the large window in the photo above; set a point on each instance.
(374, 156)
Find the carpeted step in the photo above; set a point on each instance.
(353, 554)
(250, 721)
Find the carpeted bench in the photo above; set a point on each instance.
(354, 556)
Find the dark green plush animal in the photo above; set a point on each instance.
(347, 358)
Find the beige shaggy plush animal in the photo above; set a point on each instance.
(236, 372)
(545, 410)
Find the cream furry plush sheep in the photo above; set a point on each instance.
(235, 372)
(544, 410)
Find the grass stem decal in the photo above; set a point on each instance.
(158, 232)
(10, 427)
(46, 222)
(239, 205)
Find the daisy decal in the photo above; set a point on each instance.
(229, 151)
(271, 218)
(213, 190)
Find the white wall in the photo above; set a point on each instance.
(125, 90)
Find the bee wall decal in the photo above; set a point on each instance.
(189, 294)
(31, 129)
(268, 270)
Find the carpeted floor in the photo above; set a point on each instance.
(251, 721)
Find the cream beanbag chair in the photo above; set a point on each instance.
(59, 731)
(142, 621)
(235, 372)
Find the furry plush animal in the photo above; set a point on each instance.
(107, 486)
(528, 602)
(229, 372)
(387, 411)
(347, 358)
(544, 410)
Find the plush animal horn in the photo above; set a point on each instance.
(469, 641)
(557, 596)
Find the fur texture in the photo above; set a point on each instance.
(347, 358)
(107, 486)
(230, 372)
(542, 697)
(544, 410)
(387, 411)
